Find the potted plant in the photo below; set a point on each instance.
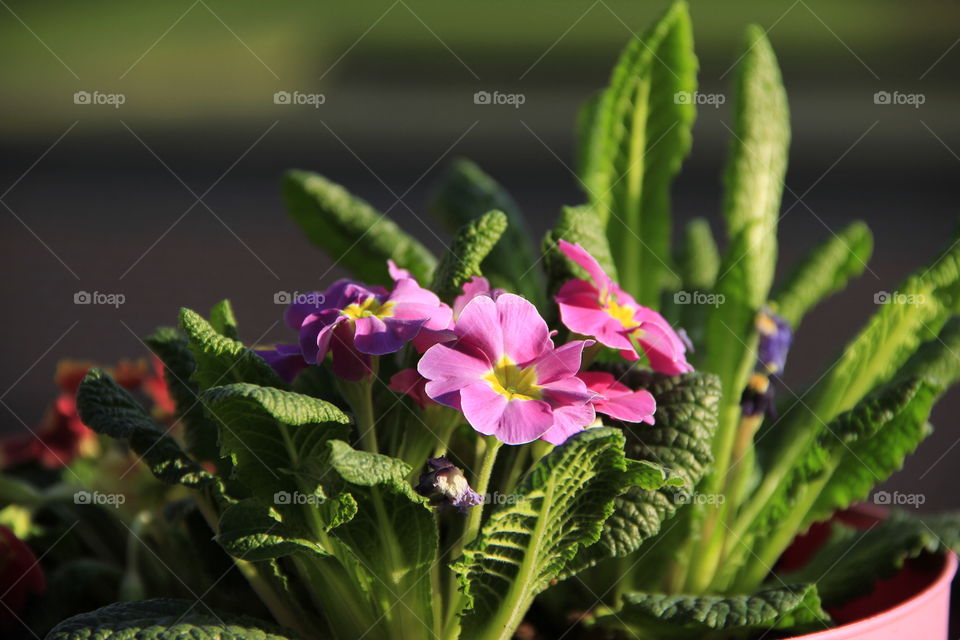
(580, 437)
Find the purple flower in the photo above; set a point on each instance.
(286, 360)
(445, 485)
(775, 338)
(757, 398)
(354, 321)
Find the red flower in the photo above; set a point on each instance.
(20, 577)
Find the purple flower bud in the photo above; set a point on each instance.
(446, 486)
(775, 338)
(757, 398)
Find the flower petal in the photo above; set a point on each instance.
(583, 258)
(449, 370)
(562, 362)
(525, 333)
(511, 422)
(569, 420)
(348, 363)
(479, 327)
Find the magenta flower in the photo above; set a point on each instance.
(603, 310)
(617, 400)
(354, 322)
(504, 373)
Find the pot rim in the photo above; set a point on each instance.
(938, 584)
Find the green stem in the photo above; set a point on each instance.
(471, 529)
(360, 396)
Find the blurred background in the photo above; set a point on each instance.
(142, 151)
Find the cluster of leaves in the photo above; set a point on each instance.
(334, 540)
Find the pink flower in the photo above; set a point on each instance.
(617, 400)
(504, 373)
(410, 382)
(603, 310)
(355, 322)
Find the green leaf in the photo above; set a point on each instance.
(221, 360)
(164, 619)
(824, 271)
(462, 261)
(852, 560)
(109, 409)
(179, 365)
(920, 308)
(467, 193)
(352, 233)
(643, 124)
(669, 617)
(754, 182)
(276, 439)
(253, 530)
(679, 440)
(561, 506)
(578, 225)
(223, 319)
(887, 437)
(393, 536)
(698, 258)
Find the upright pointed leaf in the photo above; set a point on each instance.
(222, 360)
(223, 319)
(642, 128)
(467, 193)
(472, 244)
(352, 233)
(754, 182)
(824, 271)
(579, 225)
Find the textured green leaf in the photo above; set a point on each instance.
(252, 530)
(467, 193)
(352, 233)
(874, 356)
(164, 619)
(109, 409)
(392, 537)
(882, 444)
(643, 124)
(221, 360)
(686, 419)
(698, 258)
(824, 271)
(662, 616)
(852, 560)
(931, 297)
(276, 439)
(462, 261)
(200, 432)
(754, 182)
(578, 225)
(223, 319)
(561, 506)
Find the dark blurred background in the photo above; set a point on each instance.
(103, 198)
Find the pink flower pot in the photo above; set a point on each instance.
(914, 603)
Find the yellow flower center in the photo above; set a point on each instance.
(621, 313)
(512, 382)
(369, 307)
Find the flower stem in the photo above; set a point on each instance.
(360, 397)
(471, 527)
(480, 485)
